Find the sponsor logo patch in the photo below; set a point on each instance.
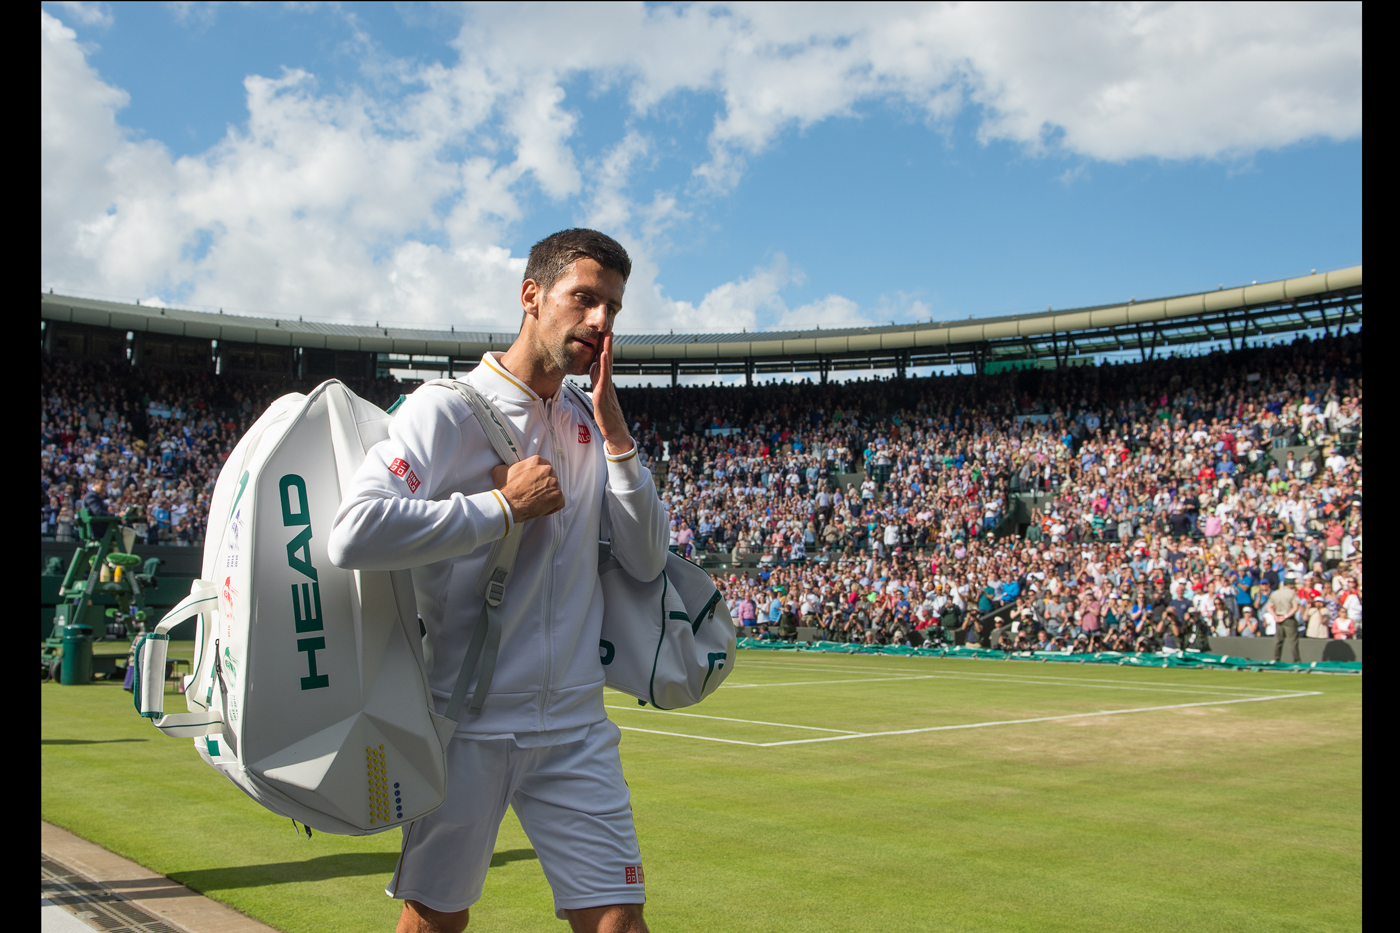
(634, 874)
(227, 596)
(413, 481)
(584, 435)
(398, 467)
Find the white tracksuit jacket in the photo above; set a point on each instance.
(423, 499)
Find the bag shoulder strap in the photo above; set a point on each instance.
(583, 399)
(493, 423)
(486, 640)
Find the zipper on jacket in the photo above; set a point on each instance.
(556, 524)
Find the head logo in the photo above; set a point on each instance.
(584, 435)
(306, 604)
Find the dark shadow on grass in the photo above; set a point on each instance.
(346, 865)
(513, 855)
(87, 741)
(323, 868)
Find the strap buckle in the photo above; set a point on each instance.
(496, 586)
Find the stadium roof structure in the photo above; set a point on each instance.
(1328, 301)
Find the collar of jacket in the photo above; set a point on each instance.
(493, 377)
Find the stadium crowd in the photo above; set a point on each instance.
(113, 438)
(1165, 501)
(1121, 507)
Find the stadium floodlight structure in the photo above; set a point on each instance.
(1325, 301)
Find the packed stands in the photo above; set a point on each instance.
(153, 438)
(1118, 507)
(1121, 507)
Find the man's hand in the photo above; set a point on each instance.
(530, 486)
(606, 410)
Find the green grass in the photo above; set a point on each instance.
(1239, 816)
(183, 650)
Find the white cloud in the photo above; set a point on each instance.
(89, 14)
(831, 311)
(542, 127)
(612, 208)
(740, 305)
(1170, 81)
(392, 200)
(1108, 82)
(734, 306)
(84, 155)
(194, 11)
(313, 208)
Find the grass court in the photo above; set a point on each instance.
(840, 792)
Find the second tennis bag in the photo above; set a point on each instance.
(670, 641)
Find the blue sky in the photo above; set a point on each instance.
(769, 166)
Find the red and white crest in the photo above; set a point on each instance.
(413, 481)
(634, 874)
(399, 467)
(584, 435)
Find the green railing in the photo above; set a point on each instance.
(1167, 658)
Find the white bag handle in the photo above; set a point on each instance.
(148, 682)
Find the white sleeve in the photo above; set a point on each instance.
(405, 507)
(641, 532)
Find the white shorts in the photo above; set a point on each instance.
(572, 803)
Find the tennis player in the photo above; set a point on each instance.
(433, 498)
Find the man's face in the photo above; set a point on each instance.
(576, 314)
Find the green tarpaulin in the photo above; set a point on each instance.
(1169, 658)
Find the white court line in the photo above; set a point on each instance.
(1059, 681)
(755, 722)
(1068, 678)
(828, 662)
(684, 735)
(807, 683)
(982, 725)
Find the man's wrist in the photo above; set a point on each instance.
(619, 447)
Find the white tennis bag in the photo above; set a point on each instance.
(668, 642)
(309, 690)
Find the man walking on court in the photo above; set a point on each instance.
(434, 497)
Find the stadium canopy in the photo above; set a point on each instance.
(1327, 301)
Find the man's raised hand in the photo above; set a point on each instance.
(530, 486)
(606, 409)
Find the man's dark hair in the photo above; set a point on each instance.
(550, 257)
